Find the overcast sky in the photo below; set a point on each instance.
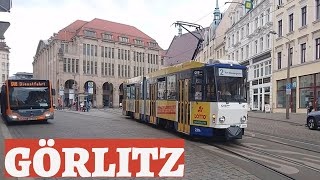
(33, 20)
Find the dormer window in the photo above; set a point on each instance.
(152, 44)
(90, 33)
(107, 36)
(138, 42)
(123, 39)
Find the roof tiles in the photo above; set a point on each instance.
(100, 26)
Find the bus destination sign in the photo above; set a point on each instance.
(28, 84)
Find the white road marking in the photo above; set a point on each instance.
(7, 135)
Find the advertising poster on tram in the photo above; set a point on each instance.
(167, 110)
(200, 114)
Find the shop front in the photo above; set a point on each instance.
(304, 90)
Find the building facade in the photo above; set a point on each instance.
(4, 60)
(249, 42)
(94, 58)
(297, 43)
(207, 50)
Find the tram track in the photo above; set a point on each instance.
(286, 144)
(278, 156)
(243, 151)
(227, 149)
(237, 149)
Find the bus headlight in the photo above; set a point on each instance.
(222, 119)
(14, 117)
(243, 119)
(48, 115)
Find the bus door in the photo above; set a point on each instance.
(153, 97)
(137, 107)
(184, 107)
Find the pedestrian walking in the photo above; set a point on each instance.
(310, 107)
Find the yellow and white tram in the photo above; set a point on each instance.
(193, 98)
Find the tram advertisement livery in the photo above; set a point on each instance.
(200, 113)
(193, 98)
(167, 110)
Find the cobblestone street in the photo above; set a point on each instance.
(199, 163)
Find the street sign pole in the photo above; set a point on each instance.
(288, 82)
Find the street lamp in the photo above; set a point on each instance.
(288, 76)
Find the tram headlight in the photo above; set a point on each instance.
(243, 119)
(222, 119)
(213, 118)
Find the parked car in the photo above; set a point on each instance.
(313, 120)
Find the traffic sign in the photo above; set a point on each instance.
(294, 84)
(289, 86)
(248, 5)
(288, 91)
(90, 84)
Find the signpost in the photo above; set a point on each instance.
(89, 91)
(248, 4)
(267, 108)
(288, 89)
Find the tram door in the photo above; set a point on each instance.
(136, 104)
(184, 107)
(153, 98)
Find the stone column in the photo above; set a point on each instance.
(99, 97)
(115, 95)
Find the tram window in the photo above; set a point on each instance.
(162, 88)
(171, 87)
(128, 92)
(133, 91)
(197, 87)
(141, 90)
(211, 90)
(198, 92)
(148, 90)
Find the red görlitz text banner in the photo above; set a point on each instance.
(94, 158)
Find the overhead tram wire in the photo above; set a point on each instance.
(259, 17)
(195, 22)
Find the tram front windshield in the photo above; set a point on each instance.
(231, 85)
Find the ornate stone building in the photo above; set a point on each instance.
(4, 59)
(210, 45)
(297, 44)
(249, 42)
(94, 58)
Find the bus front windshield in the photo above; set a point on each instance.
(29, 97)
(231, 89)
